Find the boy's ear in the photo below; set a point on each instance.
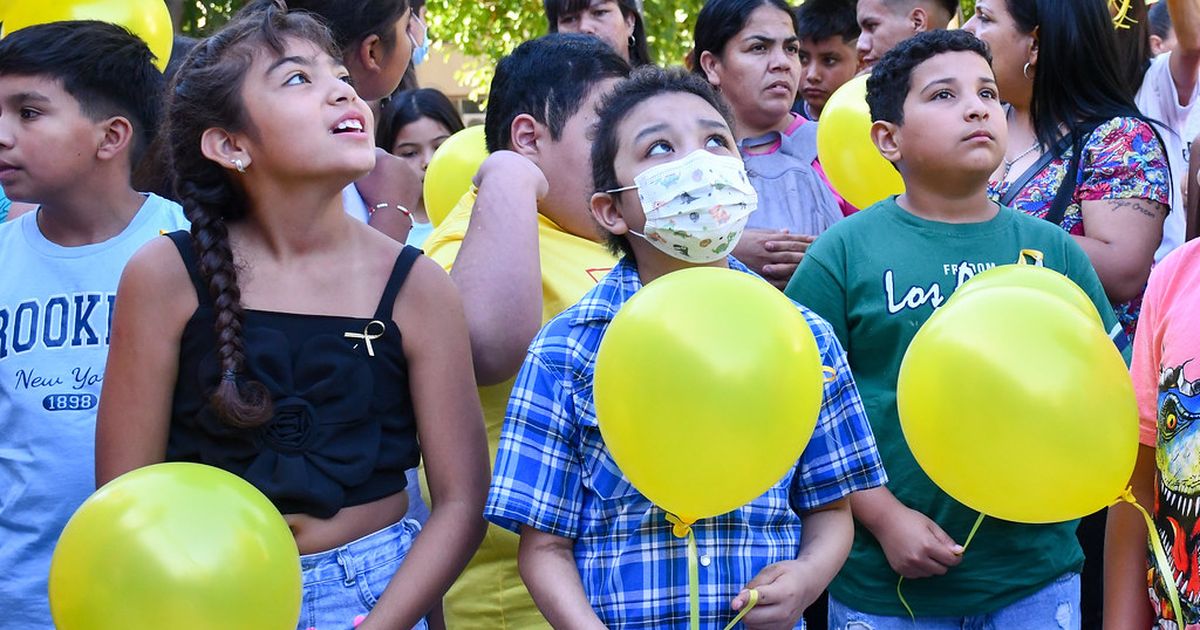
(708, 63)
(885, 135)
(527, 136)
(605, 212)
(117, 136)
(224, 148)
(1156, 45)
(919, 18)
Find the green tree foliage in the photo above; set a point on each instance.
(202, 17)
(486, 31)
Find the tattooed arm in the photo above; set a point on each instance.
(1122, 235)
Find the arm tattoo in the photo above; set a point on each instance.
(1144, 207)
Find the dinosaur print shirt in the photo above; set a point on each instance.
(1166, 378)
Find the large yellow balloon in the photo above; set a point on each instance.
(707, 388)
(148, 19)
(854, 166)
(450, 171)
(1019, 406)
(1031, 277)
(179, 546)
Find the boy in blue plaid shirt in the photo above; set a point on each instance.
(594, 552)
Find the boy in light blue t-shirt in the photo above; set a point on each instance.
(79, 103)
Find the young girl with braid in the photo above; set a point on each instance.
(292, 345)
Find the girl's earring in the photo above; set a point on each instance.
(239, 165)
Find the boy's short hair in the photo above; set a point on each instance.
(547, 78)
(891, 79)
(1160, 19)
(107, 69)
(949, 6)
(646, 82)
(819, 20)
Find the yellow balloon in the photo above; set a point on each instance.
(1031, 277)
(180, 546)
(707, 388)
(148, 19)
(1019, 406)
(854, 166)
(450, 171)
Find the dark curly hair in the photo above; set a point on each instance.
(891, 79)
(644, 83)
(206, 94)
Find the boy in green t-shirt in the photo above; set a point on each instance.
(876, 277)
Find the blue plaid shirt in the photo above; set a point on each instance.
(553, 473)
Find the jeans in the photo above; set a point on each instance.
(1055, 607)
(418, 510)
(342, 585)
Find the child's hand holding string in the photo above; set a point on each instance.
(917, 547)
(785, 589)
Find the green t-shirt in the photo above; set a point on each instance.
(876, 277)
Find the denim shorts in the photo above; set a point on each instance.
(342, 585)
(1054, 607)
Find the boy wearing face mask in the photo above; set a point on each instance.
(877, 277)
(596, 553)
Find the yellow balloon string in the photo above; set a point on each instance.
(684, 530)
(970, 537)
(1160, 555)
(749, 605)
(1121, 17)
(680, 529)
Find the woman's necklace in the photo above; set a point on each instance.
(1008, 164)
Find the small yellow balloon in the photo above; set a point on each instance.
(148, 19)
(451, 170)
(854, 166)
(707, 388)
(1019, 406)
(180, 546)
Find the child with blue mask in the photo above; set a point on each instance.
(589, 539)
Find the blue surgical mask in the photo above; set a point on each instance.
(420, 51)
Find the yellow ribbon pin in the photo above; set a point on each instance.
(367, 336)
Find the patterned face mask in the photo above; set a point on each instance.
(696, 207)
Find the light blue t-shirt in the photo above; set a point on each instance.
(418, 234)
(55, 314)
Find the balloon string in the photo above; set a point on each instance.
(970, 537)
(1121, 17)
(904, 602)
(681, 530)
(1160, 555)
(749, 605)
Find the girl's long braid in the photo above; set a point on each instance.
(206, 95)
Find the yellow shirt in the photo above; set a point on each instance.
(490, 593)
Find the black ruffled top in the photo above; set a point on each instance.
(343, 431)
